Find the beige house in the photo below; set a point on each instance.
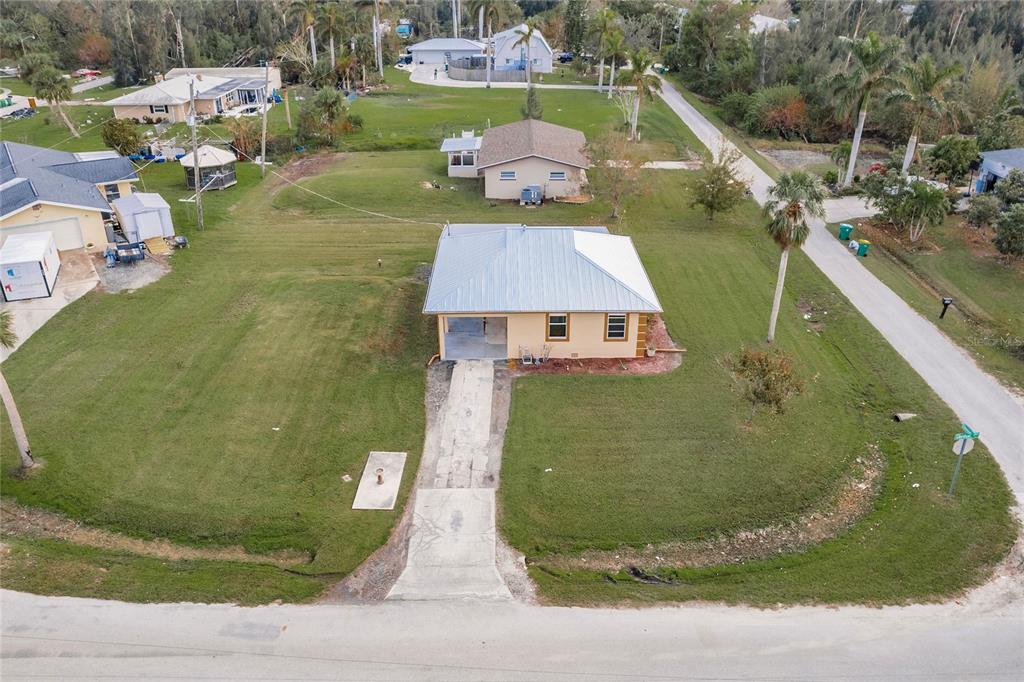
(168, 99)
(530, 152)
(462, 152)
(510, 291)
(65, 193)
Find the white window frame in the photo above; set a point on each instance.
(557, 176)
(111, 191)
(619, 320)
(158, 108)
(507, 175)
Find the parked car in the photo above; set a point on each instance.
(93, 73)
(565, 57)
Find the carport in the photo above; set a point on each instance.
(475, 338)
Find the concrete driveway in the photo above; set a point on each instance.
(77, 277)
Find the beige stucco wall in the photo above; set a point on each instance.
(586, 335)
(46, 217)
(175, 112)
(124, 187)
(206, 107)
(531, 171)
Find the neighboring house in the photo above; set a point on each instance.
(531, 152)
(444, 50)
(996, 165)
(241, 72)
(760, 23)
(65, 193)
(462, 153)
(168, 100)
(510, 57)
(504, 291)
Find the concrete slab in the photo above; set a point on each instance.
(374, 495)
(452, 548)
(465, 425)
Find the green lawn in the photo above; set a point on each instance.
(45, 129)
(659, 459)
(103, 93)
(16, 86)
(987, 317)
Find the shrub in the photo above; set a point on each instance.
(831, 177)
(984, 210)
(121, 135)
(147, 120)
(951, 157)
(1010, 189)
(718, 189)
(734, 107)
(1009, 238)
(778, 110)
(769, 378)
(356, 121)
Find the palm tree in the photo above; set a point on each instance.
(331, 22)
(526, 33)
(923, 87)
(602, 27)
(793, 198)
(490, 12)
(875, 63)
(841, 154)
(645, 82)
(304, 12)
(615, 49)
(51, 85)
(8, 339)
(344, 66)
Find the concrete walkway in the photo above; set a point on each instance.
(452, 544)
(976, 397)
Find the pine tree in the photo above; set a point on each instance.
(532, 108)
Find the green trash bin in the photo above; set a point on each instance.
(844, 231)
(862, 250)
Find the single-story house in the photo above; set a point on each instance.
(504, 291)
(242, 72)
(144, 215)
(531, 152)
(996, 165)
(508, 56)
(462, 152)
(216, 168)
(444, 50)
(169, 98)
(65, 193)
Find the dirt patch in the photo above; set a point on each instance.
(37, 523)
(130, 277)
(893, 239)
(794, 159)
(304, 167)
(815, 316)
(853, 500)
(667, 359)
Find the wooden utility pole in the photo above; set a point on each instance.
(195, 154)
(287, 111)
(263, 142)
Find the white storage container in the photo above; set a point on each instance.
(144, 216)
(28, 266)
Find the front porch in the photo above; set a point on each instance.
(474, 338)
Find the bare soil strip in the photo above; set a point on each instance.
(16, 520)
(854, 499)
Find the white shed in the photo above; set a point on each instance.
(444, 50)
(144, 215)
(28, 266)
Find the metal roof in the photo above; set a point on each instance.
(460, 144)
(500, 268)
(512, 34)
(173, 91)
(30, 174)
(1004, 160)
(209, 157)
(447, 45)
(140, 201)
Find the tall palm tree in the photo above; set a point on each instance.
(51, 85)
(792, 199)
(615, 49)
(490, 12)
(923, 88)
(602, 27)
(8, 339)
(332, 21)
(645, 82)
(303, 13)
(876, 61)
(526, 33)
(344, 66)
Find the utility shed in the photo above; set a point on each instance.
(216, 168)
(144, 215)
(28, 266)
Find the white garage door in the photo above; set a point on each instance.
(66, 232)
